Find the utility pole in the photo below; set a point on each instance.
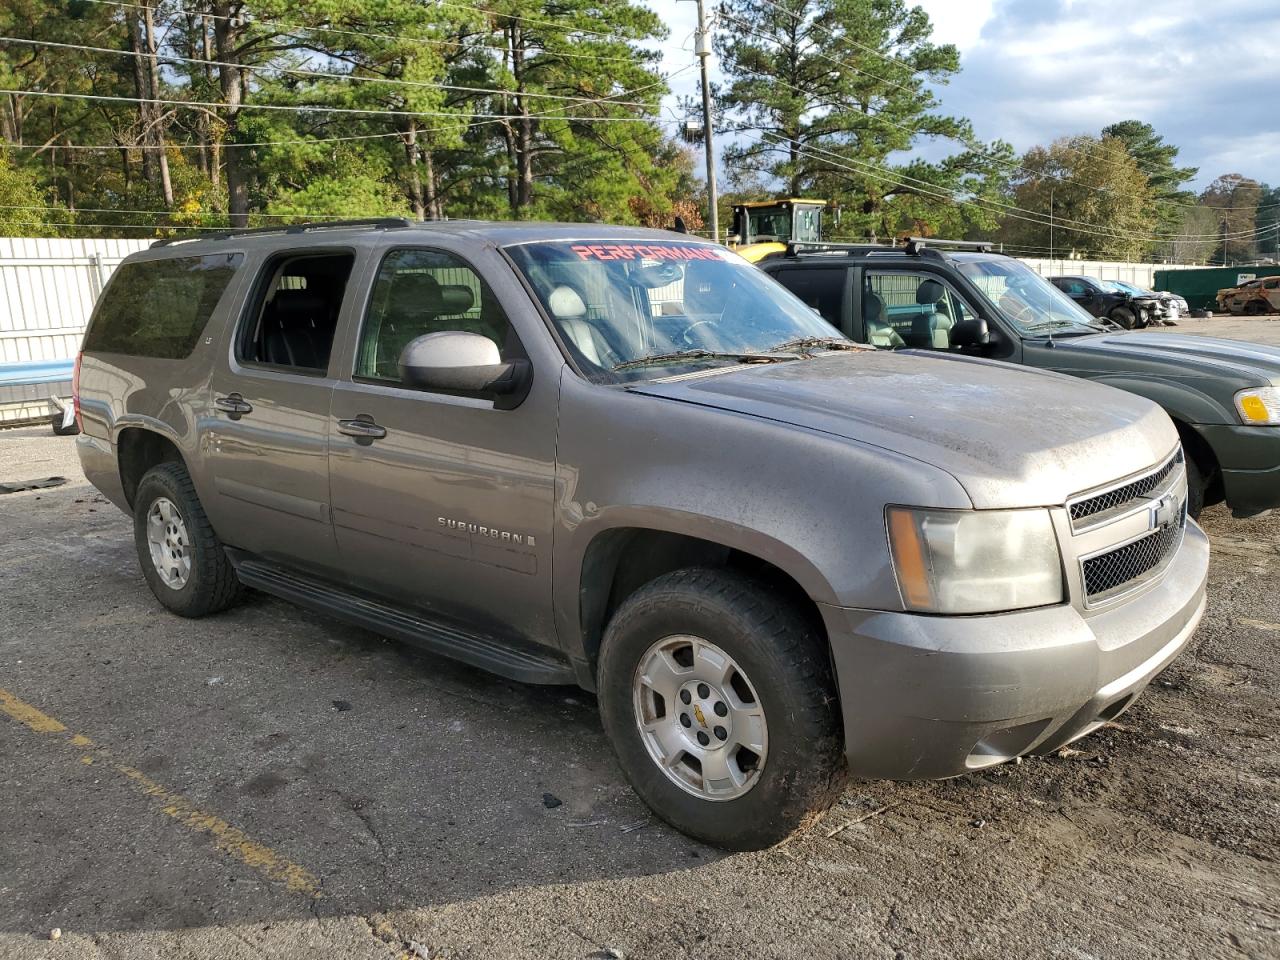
(1051, 189)
(703, 48)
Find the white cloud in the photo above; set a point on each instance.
(958, 21)
(1204, 75)
(1200, 75)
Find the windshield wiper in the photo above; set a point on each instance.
(831, 343)
(700, 355)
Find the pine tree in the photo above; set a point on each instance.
(830, 90)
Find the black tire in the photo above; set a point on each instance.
(1254, 309)
(212, 584)
(1124, 317)
(787, 664)
(1196, 486)
(61, 431)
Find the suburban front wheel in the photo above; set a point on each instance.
(719, 699)
(182, 559)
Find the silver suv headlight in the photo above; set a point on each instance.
(1259, 406)
(974, 561)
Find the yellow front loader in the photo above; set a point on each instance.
(763, 229)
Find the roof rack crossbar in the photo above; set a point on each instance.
(916, 244)
(797, 247)
(373, 223)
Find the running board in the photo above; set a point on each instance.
(520, 664)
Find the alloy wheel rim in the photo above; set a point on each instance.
(169, 544)
(700, 718)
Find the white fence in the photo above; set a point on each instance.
(49, 287)
(47, 290)
(1139, 274)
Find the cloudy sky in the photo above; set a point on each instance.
(1206, 75)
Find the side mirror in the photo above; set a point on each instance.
(970, 333)
(457, 360)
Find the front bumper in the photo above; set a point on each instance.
(928, 697)
(1249, 458)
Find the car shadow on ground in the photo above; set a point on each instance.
(393, 778)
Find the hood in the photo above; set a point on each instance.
(1252, 364)
(1012, 437)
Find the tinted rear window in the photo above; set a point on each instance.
(159, 308)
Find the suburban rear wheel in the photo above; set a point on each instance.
(182, 559)
(1125, 317)
(720, 702)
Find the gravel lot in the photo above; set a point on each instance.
(271, 783)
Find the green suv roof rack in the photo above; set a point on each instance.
(913, 246)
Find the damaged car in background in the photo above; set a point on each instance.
(1111, 301)
(1173, 306)
(1252, 298)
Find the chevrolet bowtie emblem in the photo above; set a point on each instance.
(697, 712)
(1164, 512)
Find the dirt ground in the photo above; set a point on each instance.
(1257, 329)
(269, 783)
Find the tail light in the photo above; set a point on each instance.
(75, 391)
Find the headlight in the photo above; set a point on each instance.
(1259, 405)
(974, 561)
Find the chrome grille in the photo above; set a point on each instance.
(1124, 495)
(1109, 572)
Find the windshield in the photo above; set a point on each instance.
(1034, 305)
(769, 225)
(627, 308)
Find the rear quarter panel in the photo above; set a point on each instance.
(168, 397)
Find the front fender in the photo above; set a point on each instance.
(1180, 400)
(810, 504)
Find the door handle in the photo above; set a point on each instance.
(362, 428)
(234, 405)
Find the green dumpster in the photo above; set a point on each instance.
(1200, 287)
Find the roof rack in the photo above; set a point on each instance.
(797, 247)
(373, 223)
(913, 247)
(916, 244)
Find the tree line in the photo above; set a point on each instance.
(144, 117)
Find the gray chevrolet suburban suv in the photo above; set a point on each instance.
(627, 459)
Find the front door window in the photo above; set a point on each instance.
(910, 310)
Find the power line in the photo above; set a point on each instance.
(368, 136)
(928, 189)
(747, 27)
(840, 39)
(315, 73)
(333, 140)
(313, 108)
(290, 30)
(973, 145)
(548, 23)
(160, 213)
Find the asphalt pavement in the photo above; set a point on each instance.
(270, 783)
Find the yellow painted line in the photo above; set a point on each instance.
(229, 839)
(26, 714)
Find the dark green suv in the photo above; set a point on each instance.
(968, 301)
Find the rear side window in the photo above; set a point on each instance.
(821, 288)
(159, 308)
